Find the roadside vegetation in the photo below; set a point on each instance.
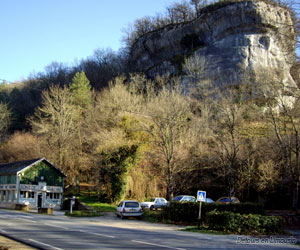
(142, 138)
(93, 203)
(219, 218)
(79, 213)
(127, 136)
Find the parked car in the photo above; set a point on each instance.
(128, 208)
(154, 203)
(185, 198)
(228, 200)
(209, 200)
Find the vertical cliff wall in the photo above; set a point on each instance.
(234, 39)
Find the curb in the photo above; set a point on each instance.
(24, 242)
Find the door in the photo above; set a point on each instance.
(40, 200)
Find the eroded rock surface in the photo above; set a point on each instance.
(233, 39)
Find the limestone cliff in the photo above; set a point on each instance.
(234, 38)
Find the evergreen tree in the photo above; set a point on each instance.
(80, 89)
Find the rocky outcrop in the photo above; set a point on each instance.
(233, 39)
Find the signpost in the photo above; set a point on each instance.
(201, 197)
(72, 204)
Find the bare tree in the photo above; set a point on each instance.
(282, 113)
(21, 146)
(55, 121)
(198, 4)
(180, 12)
(167, 120)
(286, 130)
(226, 118)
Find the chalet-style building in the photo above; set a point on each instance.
(37, 183)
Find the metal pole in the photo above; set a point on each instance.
(199, 217)
(71, 206)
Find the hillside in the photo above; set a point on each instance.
(233, 39)
(143, 135)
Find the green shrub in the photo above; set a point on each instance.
(153, 216)
(223, 221)
(183, 212)
(188, 212)
(251, 223)
(241, 208)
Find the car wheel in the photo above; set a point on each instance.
(151, 208)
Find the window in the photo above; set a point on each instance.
(56, 196)
(3, 180)
(177, 198)
(131, 204)
(26, 194)
(22, 194)
(30, 194)
(53, 195)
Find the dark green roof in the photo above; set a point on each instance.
(14, 167)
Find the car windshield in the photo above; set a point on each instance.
(131, 204)
(178, 198)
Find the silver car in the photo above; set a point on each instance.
(128, 208)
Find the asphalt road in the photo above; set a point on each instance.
(109, 232)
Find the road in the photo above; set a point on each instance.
(58, 232)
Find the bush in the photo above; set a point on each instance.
(153, 216)
(241, 208)
(183, 212)
(223, 221)
(251, 223)
(188, 212)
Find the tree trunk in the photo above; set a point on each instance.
(170, 182)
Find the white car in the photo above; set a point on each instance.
(129, 208)
(154, 203)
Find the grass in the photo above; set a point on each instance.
(93, 202)
(83, 214)
(202, 230)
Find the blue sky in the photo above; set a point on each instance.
(35, 33)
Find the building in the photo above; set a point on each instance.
(37, 183)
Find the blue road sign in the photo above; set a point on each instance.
(201, 196)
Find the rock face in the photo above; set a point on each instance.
(233, 39)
